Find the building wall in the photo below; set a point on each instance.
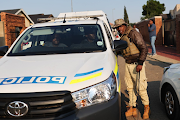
(176, 10)
(178, 33)
(143, 28)
(10, 22)
(158, 23)
(2, 39)
(27, 22)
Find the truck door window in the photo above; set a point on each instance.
(109, 35)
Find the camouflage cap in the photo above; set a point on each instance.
(119, 22)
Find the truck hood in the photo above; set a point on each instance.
(45, 73)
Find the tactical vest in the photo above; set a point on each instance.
(131, 49)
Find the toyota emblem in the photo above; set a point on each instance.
(17, 108)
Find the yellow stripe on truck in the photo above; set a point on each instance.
(116, 68)
(116, 72)
(85, 78)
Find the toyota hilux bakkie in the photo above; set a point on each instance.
(65, 69)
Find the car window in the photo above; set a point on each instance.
(109, 35)
(60, 39)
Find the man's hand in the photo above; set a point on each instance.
(148, 25)
(138, 68)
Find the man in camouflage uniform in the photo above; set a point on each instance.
(134, 66)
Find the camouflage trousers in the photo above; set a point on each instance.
(135, 86)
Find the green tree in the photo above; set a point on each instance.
(126, 19)
(132, 24)
(152, 8)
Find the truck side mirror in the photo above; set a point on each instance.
(119, 45)
(3, 50)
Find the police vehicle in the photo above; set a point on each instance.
(65, 69)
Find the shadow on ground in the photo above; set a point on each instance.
(157, 108)
(157, 63)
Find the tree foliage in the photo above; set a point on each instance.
(152, 8)
(132, 24)
(126, 19)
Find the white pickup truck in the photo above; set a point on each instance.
(63, 70)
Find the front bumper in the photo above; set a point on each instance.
(105, 111)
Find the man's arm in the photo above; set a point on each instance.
(141, 45)
(152, 28)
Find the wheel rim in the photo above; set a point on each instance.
(169, 102)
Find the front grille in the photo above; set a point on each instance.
(41, 105)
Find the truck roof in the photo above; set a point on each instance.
(68, 22)
(83, 13)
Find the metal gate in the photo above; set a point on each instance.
(170, 32)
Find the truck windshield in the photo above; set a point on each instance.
(60, 40)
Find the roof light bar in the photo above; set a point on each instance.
(71, 17)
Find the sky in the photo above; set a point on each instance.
(113, 8)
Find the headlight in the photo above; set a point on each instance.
(96, 94)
